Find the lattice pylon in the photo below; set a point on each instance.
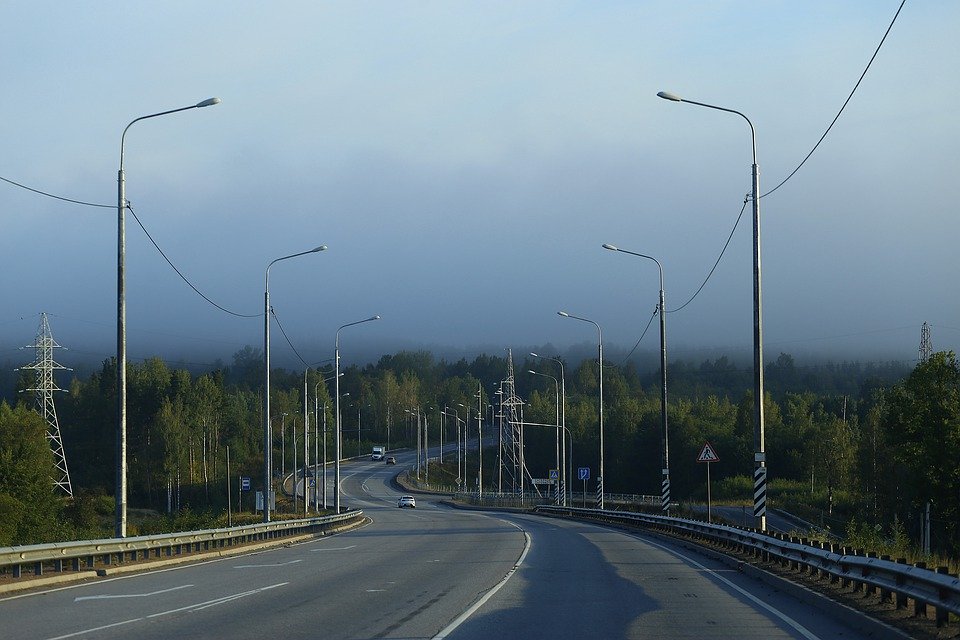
(926, 345)
(513, 464)
(44, 388)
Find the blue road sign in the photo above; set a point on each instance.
(244, 483)
(583, 473)
(554, 474)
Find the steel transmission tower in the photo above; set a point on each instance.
(926, 346)
(44, 387)
(512, 463)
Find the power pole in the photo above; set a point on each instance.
(44, 387)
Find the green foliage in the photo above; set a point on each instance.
(838, 442)
(733, 489)
(29, 509)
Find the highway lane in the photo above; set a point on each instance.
(583, 581)
(433, 570)
(406, 575)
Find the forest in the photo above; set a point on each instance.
(853, 447)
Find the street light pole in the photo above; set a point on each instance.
(600, 342)
(563, 422)
(664, 431)
(760, 456)
(336, 472)
(120, 521)
(267, 433)
(556, 387)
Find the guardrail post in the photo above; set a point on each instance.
(919, 607)
(844, 577)
(76, 564)
(885, 594)
(942, 614)
(900, 599)
(869, 589)
(17, 571)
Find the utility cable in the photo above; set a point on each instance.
(56, 197)
(715, 264)
(183, 277)
(645, 329)
(279, 324)
(792, 173)
(845, 103)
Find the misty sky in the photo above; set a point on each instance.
(464, 162)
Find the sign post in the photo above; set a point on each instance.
(583, 473)
(708, 455)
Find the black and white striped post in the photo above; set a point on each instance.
(760, 493)
(599, 492)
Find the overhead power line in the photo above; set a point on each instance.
(183, 277)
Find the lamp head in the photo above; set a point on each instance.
(322, 247)
(531, 371)
(672, 97)
(209, 102)
(611, 247)
(534, 355)
(563, 313)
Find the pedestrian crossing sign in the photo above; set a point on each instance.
(707, 454)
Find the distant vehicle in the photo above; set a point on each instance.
(407, 501)
(391, 460)
(377, 453)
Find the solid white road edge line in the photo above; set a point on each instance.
(806, 633)
(450, 628)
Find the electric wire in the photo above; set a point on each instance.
(56, 197)
(183, 277)
(280, 324)
(645, 329)
(807, 157)
(715, 264)
(845, 103)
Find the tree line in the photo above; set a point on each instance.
(873, 441)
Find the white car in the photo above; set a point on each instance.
(407, 501)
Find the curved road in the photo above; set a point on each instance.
(430, 572)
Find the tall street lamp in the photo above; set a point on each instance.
(120, 522)
(563, 421)
(336, 446)
(267, 434)
(600, 367)
(556, 389)
(316, 409)
(664, 432)
(760, 456)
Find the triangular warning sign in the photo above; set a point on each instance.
(707, 454)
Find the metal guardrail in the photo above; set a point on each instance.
(895, 580)
(87, 554)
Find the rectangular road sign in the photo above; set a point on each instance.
(583, 473)
(542, 481)
(244, 483)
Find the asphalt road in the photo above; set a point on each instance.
(430, 572)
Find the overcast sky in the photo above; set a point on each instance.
(464, 162)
